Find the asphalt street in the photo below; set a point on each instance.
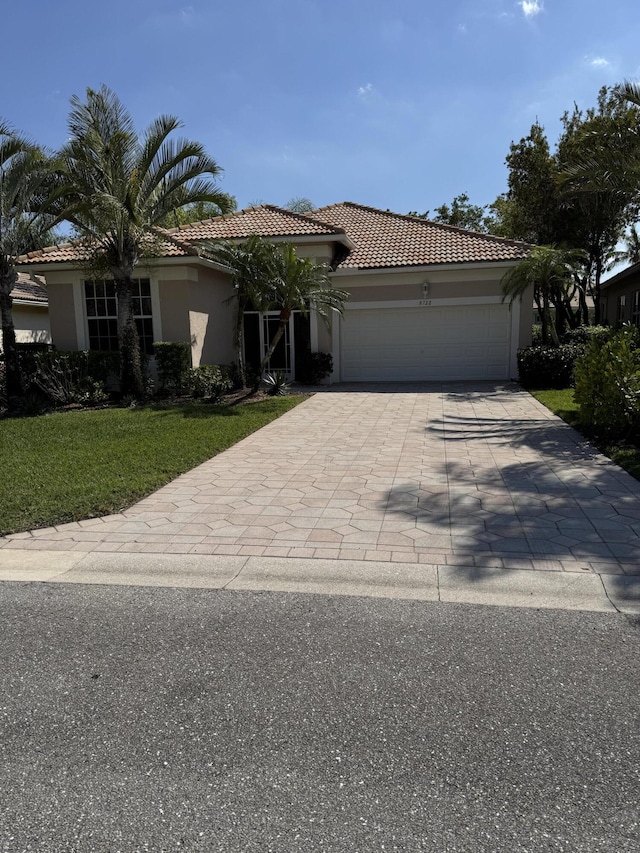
(139, 719)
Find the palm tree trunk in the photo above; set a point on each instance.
(13, 375)
(548, 326)
(239, 339)
(128, 341)
(271, 349)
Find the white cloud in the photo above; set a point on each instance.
(365, 90)
(599, 62)
(531, 8)
(462, 29)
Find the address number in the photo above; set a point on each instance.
(424, 303)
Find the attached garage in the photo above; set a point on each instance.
(438, 342)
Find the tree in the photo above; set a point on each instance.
(118, 188)
(199, 211)
(252, 264)
(24, 226)
(530, 208)
(300, 204)
(462, 214)
(299, 284)
(547, 271)
(594, 217)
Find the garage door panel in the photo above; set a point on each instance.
(452, 342)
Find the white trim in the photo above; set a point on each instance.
(514, 338)
(156, 317)
(336, 336)
(313, 331)
(432, 303)
(80, 311)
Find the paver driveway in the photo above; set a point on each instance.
(474, 475)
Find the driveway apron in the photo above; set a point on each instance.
(460, 474)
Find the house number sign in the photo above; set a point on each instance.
(424, 303)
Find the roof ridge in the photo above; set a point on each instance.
(419, 219)
(292, 214)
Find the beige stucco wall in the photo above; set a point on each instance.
(31, 322)
(62, 312)
(211, 318)
(174, 310)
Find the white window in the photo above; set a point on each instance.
(635, 309)
(622, 301)
(102, 314)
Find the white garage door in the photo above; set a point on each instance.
(441, 342)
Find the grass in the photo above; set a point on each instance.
(68, 466)
(563, 404)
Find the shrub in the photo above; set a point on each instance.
(66, 377)
(209, 380)
(315, 367)
(173, 361)
(584, 334)
(548, 367)
(608, 385)
(276, 383)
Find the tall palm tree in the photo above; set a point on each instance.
(547, 271)
(24, 173)
(299, 284)
(253, 266)
(118, 188)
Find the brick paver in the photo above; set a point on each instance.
(462, 475)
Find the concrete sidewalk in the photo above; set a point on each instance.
(468, 482)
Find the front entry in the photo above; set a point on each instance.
(292, 348)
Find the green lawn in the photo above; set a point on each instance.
(562, 404)
(72, 465)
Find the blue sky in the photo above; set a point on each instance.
(399, 105)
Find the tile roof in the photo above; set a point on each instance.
(370, 238)
(77, 252)
(267, 220)
(384, 239)
(29, 288)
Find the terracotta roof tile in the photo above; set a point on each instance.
(77, 253)
(267, 220)
(371, 238)
(384, 239)
(29, 288)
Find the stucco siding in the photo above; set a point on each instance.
(211, 318)
(174, 312)
(62, 314)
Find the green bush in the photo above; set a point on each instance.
(584, 334)
(173, 362)
(69, 377)
(548, 367)
(607, 386)
(209, 380)
(315, 367)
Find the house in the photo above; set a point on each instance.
(620, 297)
(425, 298)
(30, 310)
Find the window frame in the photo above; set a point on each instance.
(105, 312)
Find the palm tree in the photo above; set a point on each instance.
(24, 172)
(299, 284)
(118, 188)
(548, 272)
(253, 267)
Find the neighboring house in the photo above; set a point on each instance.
(620, 297)
(425, 299)
(30, 311)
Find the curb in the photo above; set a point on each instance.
(411, 581)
